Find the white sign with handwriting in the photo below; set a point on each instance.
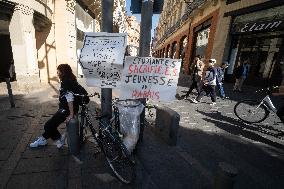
(102, 57)
(147, 77)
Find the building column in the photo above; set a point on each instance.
(65, 33)
(23, 42)
(271, 52)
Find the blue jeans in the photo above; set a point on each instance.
(221, 90)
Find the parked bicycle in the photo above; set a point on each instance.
(253, 111)
(109, 140)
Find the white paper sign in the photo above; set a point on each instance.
(102, 57)
(146, 77)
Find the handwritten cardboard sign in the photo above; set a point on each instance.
(147, 77)
(102, 57)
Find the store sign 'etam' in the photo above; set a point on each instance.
(273, 25)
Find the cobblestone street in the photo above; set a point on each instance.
(207, 135)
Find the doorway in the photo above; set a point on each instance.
(7, 69)
(262, 52)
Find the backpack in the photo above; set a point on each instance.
(78, 89)
(220, 74)
(211, 76)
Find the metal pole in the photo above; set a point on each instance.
(144, 46)
(9, 88)
(106, 93)
(145, 28)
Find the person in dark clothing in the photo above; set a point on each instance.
(68, 107)
(220, 78)
(241, 74)
(196, 76)
(209, 84)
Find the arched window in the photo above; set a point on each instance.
(173, 50)
(168, 51)
(182, 48)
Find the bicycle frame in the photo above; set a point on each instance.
(266, 101)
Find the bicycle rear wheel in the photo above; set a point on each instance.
(118, 158)
(249, 111)
(83, 130)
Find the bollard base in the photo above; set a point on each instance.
(225, 176)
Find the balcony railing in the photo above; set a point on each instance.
(190, 7)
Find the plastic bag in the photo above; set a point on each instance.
(129, 117)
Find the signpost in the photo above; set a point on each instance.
(136, 6)
(107, 26)
(144, 46)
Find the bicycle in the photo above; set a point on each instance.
(253, 111)
(109, 141)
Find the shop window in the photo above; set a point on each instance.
(202, 41)
(173, 50)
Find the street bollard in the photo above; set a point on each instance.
(167, 124)
(73, 136)
(225, 176)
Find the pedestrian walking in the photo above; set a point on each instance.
(209, 83)
(196, 76)
(68, 107)
(220, 78)
(241, 74)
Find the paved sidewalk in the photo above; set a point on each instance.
(207, 135)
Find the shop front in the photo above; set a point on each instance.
(259, 38)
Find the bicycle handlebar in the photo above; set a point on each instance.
(89, 95)
(268, 89)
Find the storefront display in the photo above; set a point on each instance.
(258, 38)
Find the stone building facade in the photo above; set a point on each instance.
(187, 29)
(227, 30)
(133, 30)
(41, 34)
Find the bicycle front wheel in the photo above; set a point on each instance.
(83, 130)
(250, 111)
(118, 158)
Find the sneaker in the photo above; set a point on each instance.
(40, 141)
(194, 101)
(60, 142)
(213, 103)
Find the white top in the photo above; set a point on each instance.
(69, 97)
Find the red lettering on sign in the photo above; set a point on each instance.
(167, 72)
(155, 95)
